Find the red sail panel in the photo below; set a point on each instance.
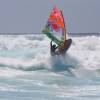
(56, 19)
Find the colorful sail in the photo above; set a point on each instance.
(55, 26)
(56, 19)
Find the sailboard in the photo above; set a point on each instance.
(55, 28)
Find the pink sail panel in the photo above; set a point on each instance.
(55, 20)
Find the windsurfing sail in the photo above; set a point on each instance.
(55, 27)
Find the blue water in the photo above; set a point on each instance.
(28, 72)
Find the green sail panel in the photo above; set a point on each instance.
(55, 26)
(51, 36)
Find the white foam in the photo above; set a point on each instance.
(7, 72)
(85, 50)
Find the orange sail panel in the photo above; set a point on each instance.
(55, 26)
(56, 19)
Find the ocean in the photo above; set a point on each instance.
(29, 72)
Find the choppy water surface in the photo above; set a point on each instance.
(28, 72)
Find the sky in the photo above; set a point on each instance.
(30, 16)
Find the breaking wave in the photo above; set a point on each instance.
(28, 71)
(31, 53)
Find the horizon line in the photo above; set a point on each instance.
(70, 33)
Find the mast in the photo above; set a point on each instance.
(64, 27)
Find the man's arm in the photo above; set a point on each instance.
(51, 43)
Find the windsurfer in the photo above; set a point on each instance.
(53, 49)
(55, 30)
(60, 50)
(57, 50)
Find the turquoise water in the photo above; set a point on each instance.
(28, 72)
